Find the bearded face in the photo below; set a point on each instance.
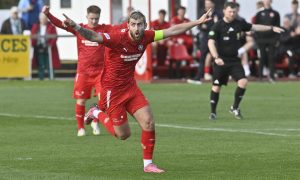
(136, 28)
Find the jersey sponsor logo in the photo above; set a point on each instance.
(89, 43)
(106, 35)
(123, 30)
(216, 82)
(211, 33)
(140, 47)
(272, 14)
(133, 57)
(125, 49)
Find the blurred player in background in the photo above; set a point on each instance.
(90, 63)
(120, 93)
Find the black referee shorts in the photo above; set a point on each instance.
(221, 73)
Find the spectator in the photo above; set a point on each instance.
(185, 38)
(267, 41)
(41, 44)
(238, 17)
(247, 41)
(294, 16)
(160, 48)
(125, 18)
(14, 24)
(202, 39)
(290, 45)
(259, 7)
(30, 11)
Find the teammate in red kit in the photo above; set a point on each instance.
(90, 63)
(119, 92)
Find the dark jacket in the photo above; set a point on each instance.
(6, 26)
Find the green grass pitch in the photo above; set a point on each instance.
(38, 134)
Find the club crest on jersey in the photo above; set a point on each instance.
(140, 47)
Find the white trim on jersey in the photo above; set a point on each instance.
(108, 98)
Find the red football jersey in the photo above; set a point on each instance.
(121, 56)
(90, 54)
(156, 25)
(175, 20)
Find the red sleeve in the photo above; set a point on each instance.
(58, 23)
(149, 35)
(111, 40)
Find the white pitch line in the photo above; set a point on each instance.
(36, 117)
(255, 131)
(221, 129)
(23, 158)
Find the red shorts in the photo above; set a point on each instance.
(84, 84)
(116, 102)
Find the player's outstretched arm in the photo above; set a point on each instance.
(181, 28)
(86, 33)
(53, 19)
(259, 27)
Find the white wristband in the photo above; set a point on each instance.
(241, 51)
(77, 27)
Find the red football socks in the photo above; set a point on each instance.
(207, 69)
(148, 141)
(80, 110)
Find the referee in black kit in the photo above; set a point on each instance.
(224, 44)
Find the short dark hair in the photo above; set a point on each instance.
(162, 11)
(137, 15)
(213, 1)
(295, 2)
(182, 7)
(230, 4)
(93, 9)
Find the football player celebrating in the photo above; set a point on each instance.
(119, 92)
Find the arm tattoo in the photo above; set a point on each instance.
(89, 34)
